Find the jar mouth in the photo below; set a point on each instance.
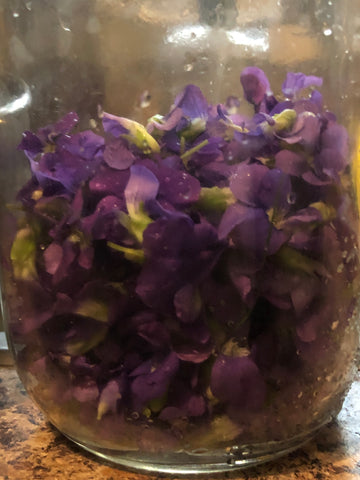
(15, 94)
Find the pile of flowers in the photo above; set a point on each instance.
(189, 268)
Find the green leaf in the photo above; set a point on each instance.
(328, 212)
(83, 345)
(284, 120)
(139, 136)
(55, 208)
(133, 254)
(294, 260)
(215, 199)
(23, 255)
(94, 309)
(194, 129)
(136, 222)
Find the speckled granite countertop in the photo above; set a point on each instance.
(31, 449)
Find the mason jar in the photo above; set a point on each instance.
(179, 222)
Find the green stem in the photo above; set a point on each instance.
(186, 156)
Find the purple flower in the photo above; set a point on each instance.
(135, 133)
(250, 230)
(117, 154)
(46, 137)
(192, 102)
(178, 187)
(104, 222)
(174, 260)
(237, 381)
(153, 384)
(295, 82)
(255, 84)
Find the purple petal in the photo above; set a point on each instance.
(142, 186)
(169, 122)
(192, 102)
(233, 216)
(84, 144)
(216, 174)
(187, 304)
(245, 182)
(297, 81)
(53, 256)
(317, 99)
(65, 168)
(104, 222)
(335, 137)
(151, 329)
(66, 123)
(313, 179)
(194, 344)
(86, 257)
(329, 163)
(112, 124)
(237, 381)
(291, 162)
(117, 154)
(31, 144)
(274, 190)
(255, 84)
(250, 231)
(177, 187)
(306, 132)
(108, 181)
(86, 391)
(304, 293)
(154, 385)
(303, 218)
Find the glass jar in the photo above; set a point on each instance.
(179, 222)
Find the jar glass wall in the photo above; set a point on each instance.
(179, 222)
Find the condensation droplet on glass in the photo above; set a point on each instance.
(145, 99)
(291, 198)
(64, 25)
(188, 67)
(327, 32)
(135, 415)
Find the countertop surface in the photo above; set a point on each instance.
(31, 449)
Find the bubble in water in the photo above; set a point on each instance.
(16, 14)
(327, 32)
(188, 67)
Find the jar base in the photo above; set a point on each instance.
(201, 461)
